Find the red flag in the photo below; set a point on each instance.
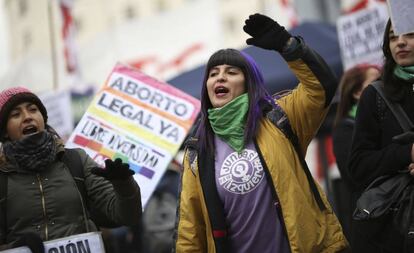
(68, 33)
(289, 9)
(360, 5)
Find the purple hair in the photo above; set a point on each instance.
(258, 96)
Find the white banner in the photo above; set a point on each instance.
(59, 111)
(138, 119)
(402, 15)
(360, 36)
(81, 243)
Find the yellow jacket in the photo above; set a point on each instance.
(308, 228)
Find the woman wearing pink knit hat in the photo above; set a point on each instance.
(43, 196)
(9, 99)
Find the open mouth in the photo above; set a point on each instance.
(29, 130)
(221, 90)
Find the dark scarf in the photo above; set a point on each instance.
(32, 153)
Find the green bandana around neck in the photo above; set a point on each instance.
(405, 73)
(228, 121)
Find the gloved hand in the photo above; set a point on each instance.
(32, 241)
(114, 170)
(266, 33)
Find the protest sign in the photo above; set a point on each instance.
(402, 17)
(58, 106)
(139, 119)
(360, 36)
(81, 243)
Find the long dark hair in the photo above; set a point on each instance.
(395, 89)
(258, 96)
(351, 82)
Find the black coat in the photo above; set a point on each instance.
(372, 153)
(342, 140)
(342, 188)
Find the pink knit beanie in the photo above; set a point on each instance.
(12, 97)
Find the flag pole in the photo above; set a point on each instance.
(52, 45)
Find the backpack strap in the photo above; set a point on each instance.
(279, 118)
(192, 153)
(212, 199)
(191, 143)
(72, 160)
(3, 199)
(395, 108)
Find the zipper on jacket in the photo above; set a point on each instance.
(274, 193)
(43, 206)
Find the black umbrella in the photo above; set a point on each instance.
(321, 37)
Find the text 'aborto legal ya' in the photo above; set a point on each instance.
(142, 113)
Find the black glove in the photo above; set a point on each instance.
(32, 241)
(266, 33)
(114, 170)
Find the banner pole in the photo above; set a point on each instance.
(52, 45)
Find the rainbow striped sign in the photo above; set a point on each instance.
(139, 119)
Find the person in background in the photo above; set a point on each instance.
(43, 202)
(373, 153)
(351, 85)
(243, 187)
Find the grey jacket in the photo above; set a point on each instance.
(48, 202)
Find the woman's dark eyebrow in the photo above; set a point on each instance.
(226, 68)
(18, 107)
(233, 67)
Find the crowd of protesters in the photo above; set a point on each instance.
(244, 185)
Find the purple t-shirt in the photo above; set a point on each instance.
(249, 208)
